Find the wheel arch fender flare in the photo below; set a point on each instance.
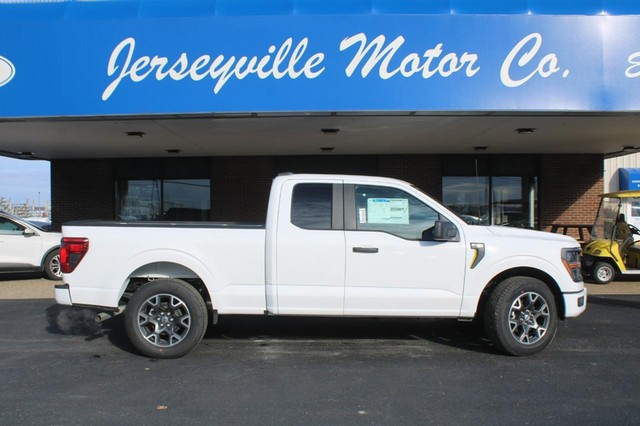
(522, 271)
(46, 254)
(610, 261)
(165, 263)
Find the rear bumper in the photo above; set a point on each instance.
(575, 303)
(63, 295)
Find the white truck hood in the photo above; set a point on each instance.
(521, 234)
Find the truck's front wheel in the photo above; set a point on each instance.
(166, 318)
(521, 316)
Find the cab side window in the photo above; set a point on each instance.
(311, 205)
(9, 227)
(393, 211)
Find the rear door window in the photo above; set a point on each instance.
(311, 205)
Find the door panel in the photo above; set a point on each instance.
(403, 277)
(16, 249)
(393, 266)
(310, 250)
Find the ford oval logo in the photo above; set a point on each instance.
(7, 71)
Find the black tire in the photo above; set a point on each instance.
(521, 317)
(603, 273)
(166, 318)
(52, 266)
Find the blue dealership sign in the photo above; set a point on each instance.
(300, 63)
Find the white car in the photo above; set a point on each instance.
(26, 247)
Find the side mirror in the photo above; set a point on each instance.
(28, 233)
(445, 231)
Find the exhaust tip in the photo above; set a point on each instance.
(102, 316)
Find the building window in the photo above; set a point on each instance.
(492, 190)
(513, 201)
(467, 196)
(496, 200)
(163, 199)
(159, 189)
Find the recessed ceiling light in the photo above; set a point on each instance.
(173, 151)
(138, 134)
(327, 148)
(525, 130)
(479, 148)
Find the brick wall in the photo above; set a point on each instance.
(240, 188)
(570, 186)
(82, 189)
(424, 171)
(240, 185)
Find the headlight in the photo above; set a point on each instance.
(571, 261)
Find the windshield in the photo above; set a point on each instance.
(606, 218)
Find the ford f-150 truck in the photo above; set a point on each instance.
(332, 246)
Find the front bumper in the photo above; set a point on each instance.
(63, 295)
(574, 303)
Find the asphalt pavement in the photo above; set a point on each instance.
(26, 286)
(59, 367)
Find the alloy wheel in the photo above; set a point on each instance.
(529, 318)
(164, 320)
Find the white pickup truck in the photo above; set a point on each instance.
(332, 246)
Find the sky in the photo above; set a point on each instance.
(24, 179)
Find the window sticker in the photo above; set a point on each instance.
(362, 215)
(388, 210)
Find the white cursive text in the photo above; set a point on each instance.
(287, 62)
(427, 65)
(546, 67)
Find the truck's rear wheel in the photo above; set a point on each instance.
(166, 318)
(521, 316)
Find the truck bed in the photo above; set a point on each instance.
(228, 257)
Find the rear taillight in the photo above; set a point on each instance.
(72, 250)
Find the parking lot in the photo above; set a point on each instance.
(60, 367)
